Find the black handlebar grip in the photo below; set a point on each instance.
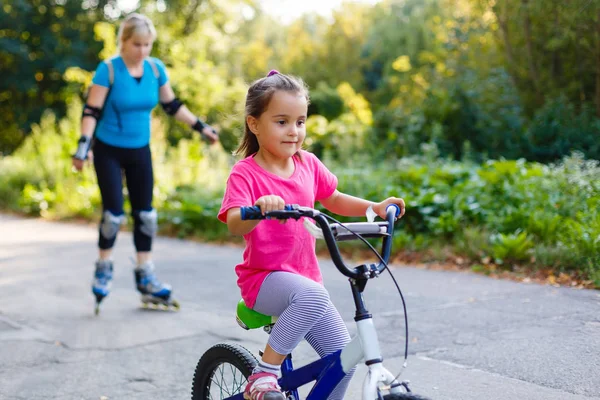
(253, 212)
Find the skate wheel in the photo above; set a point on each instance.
(144, 305)
(154, 306)
(97, 309)
(176, 305)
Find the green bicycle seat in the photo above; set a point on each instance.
(248, 319)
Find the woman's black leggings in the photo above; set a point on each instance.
(111, 164)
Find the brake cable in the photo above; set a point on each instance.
(393, 279)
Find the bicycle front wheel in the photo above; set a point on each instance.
(222, 372)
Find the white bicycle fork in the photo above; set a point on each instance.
(365, 346)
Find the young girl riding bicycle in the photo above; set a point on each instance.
(280, 275)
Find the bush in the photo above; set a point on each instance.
(326, 101)
(510, 212)
(557, 129)
(528, 208)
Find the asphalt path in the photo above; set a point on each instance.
(471, 337)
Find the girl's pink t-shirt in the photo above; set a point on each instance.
(272, 245)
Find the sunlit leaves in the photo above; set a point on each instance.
(106, 32)
(402, 64)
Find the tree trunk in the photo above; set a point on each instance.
(598, 65)
(556, 61)
(580, 70)
(502, 17)
(531, 61)
(190, 20)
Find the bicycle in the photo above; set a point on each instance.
(232, 362)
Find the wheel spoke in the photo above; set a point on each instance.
(222, 369)
(218, 382)
(234, 377)
(228, 380)
(212, 375)
(237, 386)
(243, 382)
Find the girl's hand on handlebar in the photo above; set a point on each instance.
(380, 208)
(270, 202)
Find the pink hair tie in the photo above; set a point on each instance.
(272, 72)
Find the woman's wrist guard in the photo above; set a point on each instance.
(83, 147)
(199, 126)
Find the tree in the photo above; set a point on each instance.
(39, 40)
(551, 48)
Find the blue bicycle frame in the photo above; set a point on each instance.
(329, 371)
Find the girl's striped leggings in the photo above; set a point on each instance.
(305, 311)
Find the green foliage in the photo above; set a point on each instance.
(401, 91)
(473, 242)
(544, 45)
(540, 213)
(543, 216)
(326, 101)
(39, 41)
(339, 139)
(557, 129)
(513, 247)
(191, 211)
(348, 129)
(479, 80)
(38, 178)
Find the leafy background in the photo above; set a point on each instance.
(482, 114)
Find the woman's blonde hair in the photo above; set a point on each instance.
(135, 24)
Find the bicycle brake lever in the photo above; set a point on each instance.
(310, 212)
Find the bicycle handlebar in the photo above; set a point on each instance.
(253, 212)
(333, 232)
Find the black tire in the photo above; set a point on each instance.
(212, 361)
(404, 396)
